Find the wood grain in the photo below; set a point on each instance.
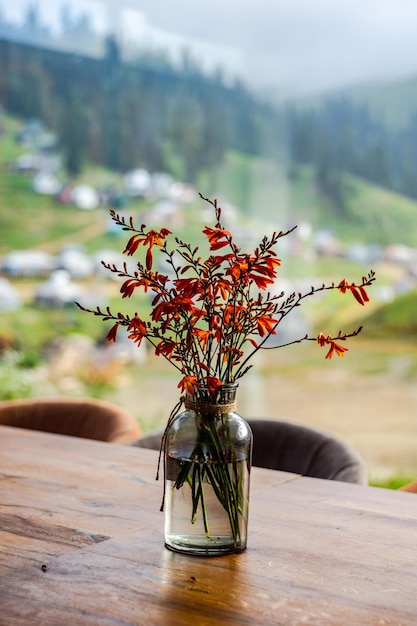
(82, 543)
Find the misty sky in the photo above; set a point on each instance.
(296, 45)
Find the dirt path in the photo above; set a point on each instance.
(90, 231)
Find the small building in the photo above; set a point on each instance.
(46, 183)
(10, 299)
(85, 197)
(27, 263)
(74, 259)
(137, 183)
(58, 291)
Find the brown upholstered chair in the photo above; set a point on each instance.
(79, 417)
(411, 487)
(293, 447)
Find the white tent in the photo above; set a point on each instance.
(85, 197)
(28, 263)
(58, 290)
(137, 182)
(46, 183)
(10, 299)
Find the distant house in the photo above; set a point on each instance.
(46, 183)
(85, 197)
(167, 212)
(10, 299)
(27, 163)
(183, 193)
(161, 183)
(400, 253)
(326, 244)
(40, 162)
(75, 261)
(58, 291)
(27, 263)
(137, 183)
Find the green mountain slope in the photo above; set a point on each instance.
(262, 189)
(394, 103)
(397, 319)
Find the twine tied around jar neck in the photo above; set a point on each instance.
(212, 409)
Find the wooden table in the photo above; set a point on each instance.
(81, 542)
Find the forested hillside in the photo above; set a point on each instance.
(338, 136)
(144, 114)
(152, 114)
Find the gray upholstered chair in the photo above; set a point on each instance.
(78, 417)
(293, 447)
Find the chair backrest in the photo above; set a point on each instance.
(411, 487)
(293, 447)
(78, 417)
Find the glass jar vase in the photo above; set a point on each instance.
(208, 450)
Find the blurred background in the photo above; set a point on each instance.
(290, 113)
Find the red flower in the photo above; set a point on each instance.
(166, 348)
(177, 307)
(153, 237)
(234, 315)
(261, 271)
(136, 330)
(202, 335)
(111, 335)
(130, 285)
(188, 287)
(213, 384)
(266, 325)
(358, 291)
(217, 237)
(210, 316)
(188, 384)
(322, 340)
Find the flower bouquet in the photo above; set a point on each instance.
(209, 317)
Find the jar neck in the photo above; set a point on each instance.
(224, 400)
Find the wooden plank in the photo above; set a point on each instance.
(81, 463)
(82, 542)
(134, 580)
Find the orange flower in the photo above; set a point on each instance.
(153, 237)
(358, 291)
(213, 384)
(210, 316)
(217, 237)
(266, 325)
(234, 315)
(130, 285)
(111, 335)
(202, 335)
(322, 340)
(136, 330)
(177, 305)
(166, 348)
(232, 353)
(261, 271)
(188, 384)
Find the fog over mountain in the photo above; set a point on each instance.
(292, 46)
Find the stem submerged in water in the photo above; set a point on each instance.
(209, 467)
(208, 459)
